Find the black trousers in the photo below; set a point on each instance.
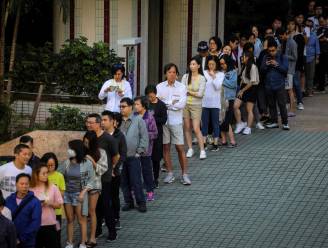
(156, 168)
(47, 237)
(115, 195)
(104, 209)
(322, 71)
(59, 219)
(228, 118)
(274, 97)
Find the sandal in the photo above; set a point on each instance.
(90, 244)
(232, 145)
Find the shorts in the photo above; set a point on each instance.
(193, 112)
(289, 82)
(71, 198)
(249, 95)
(173, 134)
(94, 191)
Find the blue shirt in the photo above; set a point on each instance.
(312, 48)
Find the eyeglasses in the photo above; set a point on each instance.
(90, 122)
(271, 50)
(269, 33)
(123, 106)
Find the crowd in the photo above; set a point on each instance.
(227, 89)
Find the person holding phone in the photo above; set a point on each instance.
(115, 89)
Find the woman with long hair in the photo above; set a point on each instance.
(258, 46)
(98, 157)
(195, 84)
(215, 45)
(51, 199)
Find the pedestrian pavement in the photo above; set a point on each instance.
(270, 191)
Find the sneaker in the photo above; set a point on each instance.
(285, 127)
(127, 207)
(150, 196)
(215, 148)
(118, 225)
(205, 147)
(142, 207)
(272, 125)
(69, 245)
(202, 154)
(156, 184)
(169, 178)
(82, 246)
(163, 168)
(239, 127)
(300, 106)
(185, 180)
(291, 114)
(190, 153)
(247, 131)
(260, 126)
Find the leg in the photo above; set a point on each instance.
(281, 99)
(69, 211)
(82, 222)
(167, 157)
(108, 206)
(256, 113)
(272, 106)
(125, 184)
(231, 136)
(116, 181)
(135, 179)
(59, 220)
(147, 173)
(236, 107)
(93, 199)
(297, 86)
(196, 127)
(205, 122)
(215, 118)
(156, 168)
(187, 131)
(291, 100)
(261, 101)
(182, 158)
(250, 116)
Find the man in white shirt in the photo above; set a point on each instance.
(9, 171)
(174, 95)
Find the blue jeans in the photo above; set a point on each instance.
(147, 173)
(215, 118)
(297, 86)
(131, 181)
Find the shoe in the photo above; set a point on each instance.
(272, 125)
(190, 153)
(291, 114)
(210, 139)
(232, 145)
(118, 225)
(99, 232)
(247, 131)
(69, 245)
(223, 144)
(156, 184)
(260, 126)
(205, 147)
(142, 207)
(127, 207)
(163, 168)
(285, 127)
(111, 238)
(202, 154)
(150, 196)
(185, 180)
(264, 118)
(90, 244)
(239, 127)
(300, 106)
(82, 246)
(215, 148)
(169, 178)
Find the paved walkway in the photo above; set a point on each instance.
(271, 191)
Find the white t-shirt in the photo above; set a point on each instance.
(8, 173)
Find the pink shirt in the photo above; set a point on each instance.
(52, 195)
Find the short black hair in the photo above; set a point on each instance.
(20, 147)
(127, 100)
(118, 119)
(96, 116)
(143, 100)
(19, 176)
(233, 38)
(2, 199)
(150, 89)
(272, 42)
(280, 31)
(108, 113)
(79, 148)
(248, 46)
(25, 139)
(118, 67)
(49, 155)
(168, 66)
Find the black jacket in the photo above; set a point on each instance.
(8, 237)
(122, 150)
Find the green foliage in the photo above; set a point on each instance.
(65, 118)
(5, 117)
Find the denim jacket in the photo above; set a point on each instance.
(230, 85)
(312, 48)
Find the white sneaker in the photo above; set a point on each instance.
(69, 245)
(190, 153)
(82, 246)
(300, 106)
(169, 178)
(260, 126)
(239, 127)
(247, 131)
(202, 154)
(185, 180)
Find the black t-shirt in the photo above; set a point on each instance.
(300, 41)
(110, 145)
(323, 32)
(159, 112)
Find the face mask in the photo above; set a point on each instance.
(71, 153)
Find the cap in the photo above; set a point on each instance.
(202, 46)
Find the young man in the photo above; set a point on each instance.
(233, 43)
(322, 71)
(7, 231)
(174, 95)
(105, 207)
(9, 171)
(28, 140)
(136, 135)
(26, 212)
(275, 68)
(111, 122)
(159, 111)
(202, 50)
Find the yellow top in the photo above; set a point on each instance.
(58, 179)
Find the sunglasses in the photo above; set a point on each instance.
(123, 106)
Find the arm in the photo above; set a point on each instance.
(161, 116)
(282, 65)
(102, 164)
(292, 56)
(264, 66)
(218, 80)
(317, 47)
(102, 94)
(35, 222)
(201, 89)
(181, 103)
(231, 82)
(143, 137)
(128, 90)
(122, 149)
(113, 148)
(57, 200)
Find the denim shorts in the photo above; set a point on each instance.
(71, 198)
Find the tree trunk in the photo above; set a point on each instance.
(36, 105)
(13, 53)
(4, 13)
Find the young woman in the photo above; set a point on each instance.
(215, 45)
(141, 108)
(258, 46)
(79, 178)
(57, 179)
(226, 50)
(212, 99)
(115, 89)
(98, 157)
(195, 84)
(247, 93)
(230, 89)
(51, 199)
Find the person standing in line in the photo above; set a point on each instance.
(202, 50)
(28, 140)
(9, 171)
(215, 45)
(195, 83)
(141, 109)
(322, 71)
(8, 237)
(174, 95)
(211, 103)
(159, 111)
(51, 199)
(136, 135)
(26, 212)
(115, 89)
(258, 46)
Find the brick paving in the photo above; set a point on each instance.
(270, 191)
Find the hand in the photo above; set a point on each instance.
(120, 93)
(81, 197)
(212, 74)
(137, 155)
(274, 63)
(240, 94)
(113, 174)
(109, 89)
(174, 102)
(317, 60)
